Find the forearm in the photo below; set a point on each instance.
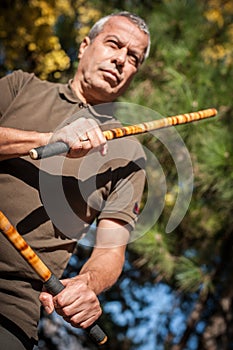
(16, 143)
(102, 270)
(78, 301)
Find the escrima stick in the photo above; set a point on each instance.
(61, 147)
(51, 282)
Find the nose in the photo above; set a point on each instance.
(120, 56)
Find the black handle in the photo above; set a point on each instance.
(97, 335)
(52, 149)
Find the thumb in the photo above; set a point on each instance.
(46, 300)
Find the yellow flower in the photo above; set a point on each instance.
(32, 47)
(214, 15)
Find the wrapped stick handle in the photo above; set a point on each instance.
(56, 148)
(51, 282)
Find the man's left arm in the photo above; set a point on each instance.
(78, 303)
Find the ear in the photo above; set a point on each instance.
(84, 45)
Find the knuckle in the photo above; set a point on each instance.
(65, 313)
(58, 302)
(74, 323)
(82, 119)
(92, 122)
(93, 298)
(100, 312)
(42, 298)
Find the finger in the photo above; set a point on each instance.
(46, 300)
(84, 137)
(96, 132)
(94, 143)
(68, 303)
(76, 145)
(104, 150)
(83, 319)
(96, 137)
(72, 304)
(88, 322)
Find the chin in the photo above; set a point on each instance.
(109, 94)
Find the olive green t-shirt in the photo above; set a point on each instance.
(53, 202)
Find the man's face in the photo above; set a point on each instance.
(108, 63)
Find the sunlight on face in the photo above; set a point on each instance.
(108, 63)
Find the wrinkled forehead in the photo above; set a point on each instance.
(122, 23)
(126, 31)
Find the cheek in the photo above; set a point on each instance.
(93, 62)
(90, 59)
(129, 72)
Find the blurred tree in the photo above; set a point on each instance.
(191, 68)
(39, 36)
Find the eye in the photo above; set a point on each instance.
(133, 59)
(113, 43)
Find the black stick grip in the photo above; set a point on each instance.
(96, 334)
(52, 149)
(53, 285)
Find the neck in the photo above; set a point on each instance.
(78, 91)
(86, 97)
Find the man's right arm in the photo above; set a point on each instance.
(16, 143)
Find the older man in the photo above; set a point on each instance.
(53, 206)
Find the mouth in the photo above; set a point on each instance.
(112, 76)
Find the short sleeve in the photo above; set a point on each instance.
(10, 85)
(123, 202)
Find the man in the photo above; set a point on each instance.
(53, 205)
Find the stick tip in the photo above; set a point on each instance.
(33, 153)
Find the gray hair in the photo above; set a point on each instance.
(135, 19)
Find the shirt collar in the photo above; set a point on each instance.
(66, 91)
(103, 112)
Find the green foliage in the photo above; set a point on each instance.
(190, 68)
(188, 275)
(161, 261)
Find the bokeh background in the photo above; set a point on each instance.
(176, 291)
